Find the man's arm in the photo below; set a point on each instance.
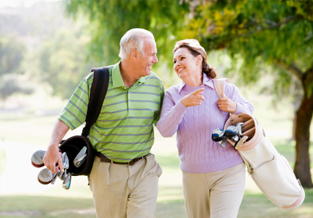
(52, 155)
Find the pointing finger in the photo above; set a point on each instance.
(197, 91)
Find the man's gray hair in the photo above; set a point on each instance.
(133, 39)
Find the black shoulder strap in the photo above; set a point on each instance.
(98, 91)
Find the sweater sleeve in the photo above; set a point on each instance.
(171, 116)
(243, 106)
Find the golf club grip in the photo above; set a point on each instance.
(247, 125)
(249, 133)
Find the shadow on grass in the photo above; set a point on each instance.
(45, 207)
(254, 205)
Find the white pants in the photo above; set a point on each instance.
(122, 190)
(216, 194)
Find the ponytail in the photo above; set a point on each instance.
(208, 70)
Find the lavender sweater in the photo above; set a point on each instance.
(194, 126)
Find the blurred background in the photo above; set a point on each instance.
(47, 47)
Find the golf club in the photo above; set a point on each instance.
(81, 157)
(37, 157)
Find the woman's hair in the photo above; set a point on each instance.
(196, 49)
(133, 39)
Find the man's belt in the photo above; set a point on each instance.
(107, 160)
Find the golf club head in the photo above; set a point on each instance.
(45, 176)
(65, 161)
(231, 131)
(223, 142)
(217, 135)
(37, 158)
(239, 128)
(62, 175)
(54, 178)
(67, 181)
(240, 142)
(80, 157)
(235, 138)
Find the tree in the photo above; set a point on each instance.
(111, 19)
(12, 53)
(276, 36)
(11, 84)
(62, 61)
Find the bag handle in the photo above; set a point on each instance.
(98, 91)
(219, 85)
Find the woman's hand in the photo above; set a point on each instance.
(193, 99)
(226, 104)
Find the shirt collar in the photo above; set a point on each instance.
(117, 80)
(206, 81)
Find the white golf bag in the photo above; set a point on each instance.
(270, 170)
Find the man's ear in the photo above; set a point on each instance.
(134, 54)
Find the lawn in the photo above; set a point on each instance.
(77, 202)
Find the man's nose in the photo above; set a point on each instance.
(155, 59)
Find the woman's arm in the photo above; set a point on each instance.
(171, 116)
(172, 113)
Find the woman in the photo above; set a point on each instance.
(213, 176)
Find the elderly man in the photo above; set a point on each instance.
(124, 178)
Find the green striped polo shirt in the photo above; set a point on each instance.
(124, 128)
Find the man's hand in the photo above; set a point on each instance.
(225, 104)
(193, 99)
(53, 159)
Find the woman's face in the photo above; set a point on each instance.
(186, 65)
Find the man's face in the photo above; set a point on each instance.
(149, 57)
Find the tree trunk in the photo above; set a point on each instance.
(302, 136)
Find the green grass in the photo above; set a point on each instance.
(256, 205)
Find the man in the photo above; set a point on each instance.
(124, 177)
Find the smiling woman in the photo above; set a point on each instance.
(193, 110)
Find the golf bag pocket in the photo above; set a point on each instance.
(269, 170)
(76, 146)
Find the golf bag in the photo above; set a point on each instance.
(73, 145)
(270, 170)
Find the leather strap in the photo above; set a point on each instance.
(98, 91)
(219, 85)
(107, 160)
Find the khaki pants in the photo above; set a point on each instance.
(217, 194)
(122, 190)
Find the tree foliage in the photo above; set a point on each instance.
(45, 46)
(62, 61)
(272, 33)
(12, 52)
(110, 19)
